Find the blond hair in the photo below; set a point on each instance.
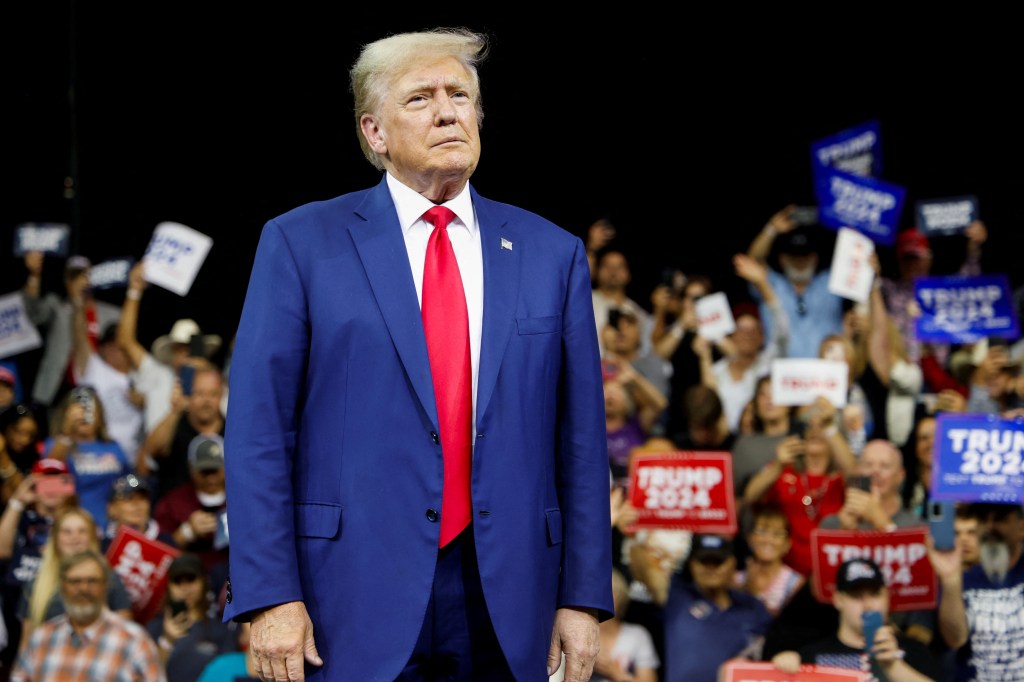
(47, 580)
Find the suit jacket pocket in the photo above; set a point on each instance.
(554, 518)
(539, 325)
(317, 519)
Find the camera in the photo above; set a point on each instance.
(805, 215)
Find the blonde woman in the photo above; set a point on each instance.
(74, 530)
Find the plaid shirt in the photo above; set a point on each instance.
(110, 650)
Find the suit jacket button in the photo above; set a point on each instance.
(227, 595)
(433, 437)
(432, 515)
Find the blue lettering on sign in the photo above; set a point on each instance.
(10, 321)
(168, 249)
(978, 458)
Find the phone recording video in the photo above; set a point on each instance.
(185, 375)
(859, 481)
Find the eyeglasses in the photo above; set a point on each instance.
(86, 582)
(184, 578)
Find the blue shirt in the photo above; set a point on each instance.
(820, 314)
(95, 466)
(700, 637)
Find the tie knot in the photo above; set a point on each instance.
(439, 216)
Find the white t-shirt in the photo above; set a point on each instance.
(634, 648)
(123, 417)
(154, 380)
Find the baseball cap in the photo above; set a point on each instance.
(859, 573)
(126, 486)
(797, 242)
(718, 547)
(206, 452)
(7, 377)
(77, 263)
(49, 465)
(912, 243)
(185, 563)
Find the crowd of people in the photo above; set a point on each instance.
(135, 436)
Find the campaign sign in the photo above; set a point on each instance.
(174, 256)
(750, 671)
(940, 217)
(798, 381)
(714, 317)
(683, 490)
(110, 274)
(901, 554)
(51, 238)
(977, 458)
(142, 565)
(865, 204)
(958, 309)
(856, 150)
(851, 274)
(17, 333)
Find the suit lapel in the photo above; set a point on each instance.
(382, 251)
(498, 242)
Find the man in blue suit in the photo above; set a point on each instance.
(337, 441)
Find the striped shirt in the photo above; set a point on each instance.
(112, 649)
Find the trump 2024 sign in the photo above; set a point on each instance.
(684, 490)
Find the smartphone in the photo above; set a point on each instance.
(53, 485)
(613, 317)
(871, 620)
(83, 397)
(798, 427)
(859, 481)
(196, 347)
(940, 524)
(805, 215)
(185, 375)
(178, 606)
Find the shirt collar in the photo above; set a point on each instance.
(411, 205)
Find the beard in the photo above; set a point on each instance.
(799, 275)
(995, 557)
(83, 612)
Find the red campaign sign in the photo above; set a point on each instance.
(684, 490)
(744, 671)
(142, 564)
(901, 554)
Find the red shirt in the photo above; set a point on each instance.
(805, 499)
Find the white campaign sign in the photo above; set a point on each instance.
(714, 317)
(174, 256)
(798, 381)
(17, 334)
(851, 274)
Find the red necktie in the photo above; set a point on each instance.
(446, 325)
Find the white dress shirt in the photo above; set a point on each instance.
(465, 238)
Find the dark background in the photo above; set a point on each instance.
(689, 131)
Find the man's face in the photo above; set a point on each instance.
(713, 573)
(967, 540)
(914, 265)
(852, 605)
(748, 336)
(799, 269)
(428, 128)
(885, 467)
(613, 272)
(132, 510)
(209, 481)
(84, 592)
(207, 391)
(1001, 533)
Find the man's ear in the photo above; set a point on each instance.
(373, 133)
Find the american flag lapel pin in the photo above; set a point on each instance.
(506, 244)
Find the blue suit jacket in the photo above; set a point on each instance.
(332, 468)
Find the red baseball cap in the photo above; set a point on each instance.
(912, 243)
(7, 377)
(49, 465)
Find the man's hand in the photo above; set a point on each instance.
(281, 639)
(576, 634)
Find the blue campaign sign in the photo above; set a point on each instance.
(110, 274)
(867, 205)
(941, 217)
(977, 458)
(965, 309)
(856, 150)
(49, 238)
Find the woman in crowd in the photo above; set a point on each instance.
(19, 447)
(765, 575)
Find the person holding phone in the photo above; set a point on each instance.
(187, 630)
(890, 656)
(873, 499)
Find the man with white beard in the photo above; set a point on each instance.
(981, 611)
(812, 310)
(88, 641)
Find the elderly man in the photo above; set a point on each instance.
(88, 641)
(416, 457)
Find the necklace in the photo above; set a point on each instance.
(812, 498)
